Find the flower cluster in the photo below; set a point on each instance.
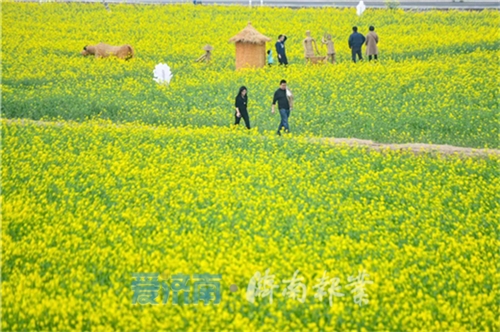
(86, 205)
(434, 82)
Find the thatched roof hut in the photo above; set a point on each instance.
(250, 48)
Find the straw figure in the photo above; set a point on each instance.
(329, 46)
(250, 48)
(308, 46)
(102, 50)
(208, 54)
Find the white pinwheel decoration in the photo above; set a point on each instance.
(162, 73)
(360, 8)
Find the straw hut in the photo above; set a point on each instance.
(250, 48)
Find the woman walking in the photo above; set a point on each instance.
(371, 44)
(241, 107)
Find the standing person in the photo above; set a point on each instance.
(280, 49)
(330, 48)
(356, 41)
(241, 107)
(371, 44)
(283, 97)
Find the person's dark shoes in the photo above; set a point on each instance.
(278, 132)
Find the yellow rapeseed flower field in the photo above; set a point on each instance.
(130, 177)
(435, 82)
(85, 206)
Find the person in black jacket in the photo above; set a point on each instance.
(281, 97)
(241, 107)
(280, 49)
(356, 40)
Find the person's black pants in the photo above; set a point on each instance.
(283, 60)
(370, 57)
(356, 51)
(244, 115)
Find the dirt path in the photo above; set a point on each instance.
(416, 148)
(413, 147)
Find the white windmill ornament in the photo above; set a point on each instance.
(360, 8)
(162, 73)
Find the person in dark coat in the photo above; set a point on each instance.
(241, 107)
(283, 97)
(356, 41)
(280, 50)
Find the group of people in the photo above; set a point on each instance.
(280, 50)
(356, 41)
(282, 96)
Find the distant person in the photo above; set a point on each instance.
(356, 41)
(280, 50)
(330, 47)
(283, 97)
(270, 59)
(371, 44)
(241, 107)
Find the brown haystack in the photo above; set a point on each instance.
(103, 50)
(250, 35)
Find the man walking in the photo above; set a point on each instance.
(371, 44)
(356, 40)
(280, 50)
(282, 96)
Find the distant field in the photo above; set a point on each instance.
(435, 82)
